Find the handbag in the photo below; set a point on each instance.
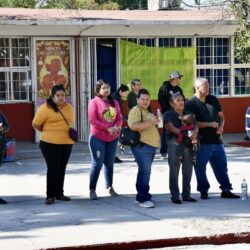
(129, 137)
(72, 132)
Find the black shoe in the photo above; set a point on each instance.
(49, 201)
(204, 195)
(246, 138)
(2, 201)
(229, 194)
(190, 199)
(177, 201)
(63, 198)
(117, 160)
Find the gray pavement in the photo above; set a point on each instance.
(27, 223)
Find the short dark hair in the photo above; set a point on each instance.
(123, 88)
(143, 92)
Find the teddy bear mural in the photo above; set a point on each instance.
(53, 75)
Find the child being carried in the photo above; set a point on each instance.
(184, 140)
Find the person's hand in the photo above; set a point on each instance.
(111, 130)
(213, 124)
(219, 130)
(117, 129)
(154, 120)
(114, 130)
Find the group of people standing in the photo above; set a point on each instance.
(106, 116)
(208, 130)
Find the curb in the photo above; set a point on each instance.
(217, 239)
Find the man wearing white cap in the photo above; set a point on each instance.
(166, 91)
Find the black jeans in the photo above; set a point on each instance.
(56, 157)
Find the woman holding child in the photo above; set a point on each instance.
(173, 124)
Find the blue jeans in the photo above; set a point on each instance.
(164, 145)
(102, 153)
(216, 156)
(144, 156)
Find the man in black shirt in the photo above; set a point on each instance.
(210, 120)
(165, 93)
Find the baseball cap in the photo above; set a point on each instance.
(175, 74)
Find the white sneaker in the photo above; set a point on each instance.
(92, 194)
(147, 204)
(112, 192)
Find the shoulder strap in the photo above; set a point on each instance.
(63, 117)
(140, 112)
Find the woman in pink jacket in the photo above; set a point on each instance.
(106, 120)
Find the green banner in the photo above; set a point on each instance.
(154, 65)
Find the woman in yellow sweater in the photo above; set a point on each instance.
(55, 142)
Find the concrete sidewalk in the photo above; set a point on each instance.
(26, 223)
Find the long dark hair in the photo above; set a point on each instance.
(98, 86)
(50, 101)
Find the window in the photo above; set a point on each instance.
(149, 42)
(4, 52)
(183, 42)
(213, 50)
(204, 50)
(132, 40)
(213, 63)
(166, 42)
(20, 52)
(221, 50)
(15, 69)
(218, 80)
(171, 42)
(242, 81)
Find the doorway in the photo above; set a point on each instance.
(106, 61)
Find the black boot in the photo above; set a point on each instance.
(2, 201)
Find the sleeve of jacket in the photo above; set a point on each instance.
(162, 98)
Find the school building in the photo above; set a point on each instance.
(40, 47)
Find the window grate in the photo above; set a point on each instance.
(15, 69)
